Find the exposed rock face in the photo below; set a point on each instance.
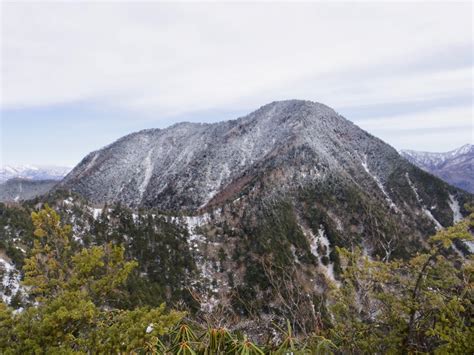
(23, 189)
(456, 167)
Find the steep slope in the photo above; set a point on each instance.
(456, 167)
(330, 176)
(18, 189)
(32, 172)
(186, 165)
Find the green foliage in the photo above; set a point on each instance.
(166, 263)
(73, 294)
(424, 304)
(85, 297)
(74, 290)
(185, 339)
(15, 226)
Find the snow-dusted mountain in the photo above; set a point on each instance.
(33, 172)
(456, 167)
(209, 208)
(276, 152)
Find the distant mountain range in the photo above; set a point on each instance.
(456, 167)
(33, 172)
(23, 182)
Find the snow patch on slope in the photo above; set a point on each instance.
(10, 279)
(470, 246)
(430, 216)
(454, 204)
(320, 242)
(457, 216)
(323, 239)
(208, 299)
(148, 166)
(91, 163)
(425, 210)
(96, 212)
(379, 184)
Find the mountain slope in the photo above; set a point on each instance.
(293, 153)
(18, 189)
(456, 167)
(186, 165)
(242, 220)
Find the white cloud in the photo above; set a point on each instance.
(437, 130)
(457, 117)
(176, 58)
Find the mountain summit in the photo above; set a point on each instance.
(186, 165)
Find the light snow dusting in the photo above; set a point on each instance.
(200, 160)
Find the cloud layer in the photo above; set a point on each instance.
(159, 60)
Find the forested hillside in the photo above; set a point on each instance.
(77, 300)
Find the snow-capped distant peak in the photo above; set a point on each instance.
(455, 167)
(434, 158)
(33, 172)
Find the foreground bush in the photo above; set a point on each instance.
(73, 294)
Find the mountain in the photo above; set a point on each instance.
(188, 165)
(32, 172)
(299, 154)
(456, 167)
(18, 189)
(242, 220)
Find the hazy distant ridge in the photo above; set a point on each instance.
(33, 172)
(456, 167)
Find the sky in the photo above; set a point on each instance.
(75, 76)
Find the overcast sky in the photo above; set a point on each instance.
(77, 76)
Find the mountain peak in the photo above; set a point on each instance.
(295, 106)
(466, 148)
(437, 158)
(187, 165)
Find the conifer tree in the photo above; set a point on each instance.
(423, 304)
(73, 293)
